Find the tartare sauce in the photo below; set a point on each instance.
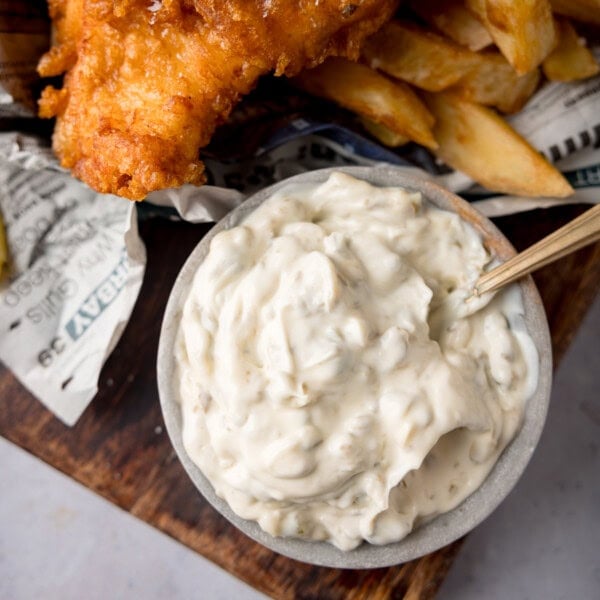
(317, 396)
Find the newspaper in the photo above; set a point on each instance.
(77, 264)
(77, 260)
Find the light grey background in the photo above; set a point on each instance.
(60, 541)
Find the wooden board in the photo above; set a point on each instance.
(120, 449)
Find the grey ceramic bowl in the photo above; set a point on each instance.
(443, 529)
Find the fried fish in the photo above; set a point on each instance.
(147, 81)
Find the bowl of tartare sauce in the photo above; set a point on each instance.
(328, 382)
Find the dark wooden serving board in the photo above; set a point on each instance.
(119, 447)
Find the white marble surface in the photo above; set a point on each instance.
(60, 541)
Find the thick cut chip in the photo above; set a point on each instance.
(384, 134)
(494, 82)
(475, 140)
(571, 59)
(370, 94)
(587, 11)
(433, 63)
(420, 57)
(455, 20)
(522, 29)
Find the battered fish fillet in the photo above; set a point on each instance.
(147, 82)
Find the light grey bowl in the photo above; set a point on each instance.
(443, 529)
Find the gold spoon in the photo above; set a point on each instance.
(580, 232)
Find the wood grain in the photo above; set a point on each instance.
(120, 449)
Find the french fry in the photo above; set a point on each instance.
(455, 20)
(384, 134)
(420, 57)
(370, 94)
(522, 29)
(493, 82)
(475, 140)
(430, 62)
(587, 11)
(571, 59)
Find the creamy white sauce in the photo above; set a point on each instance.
(314, 398)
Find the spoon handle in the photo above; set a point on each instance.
(580, 232)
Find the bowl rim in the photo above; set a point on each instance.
(441, 530)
